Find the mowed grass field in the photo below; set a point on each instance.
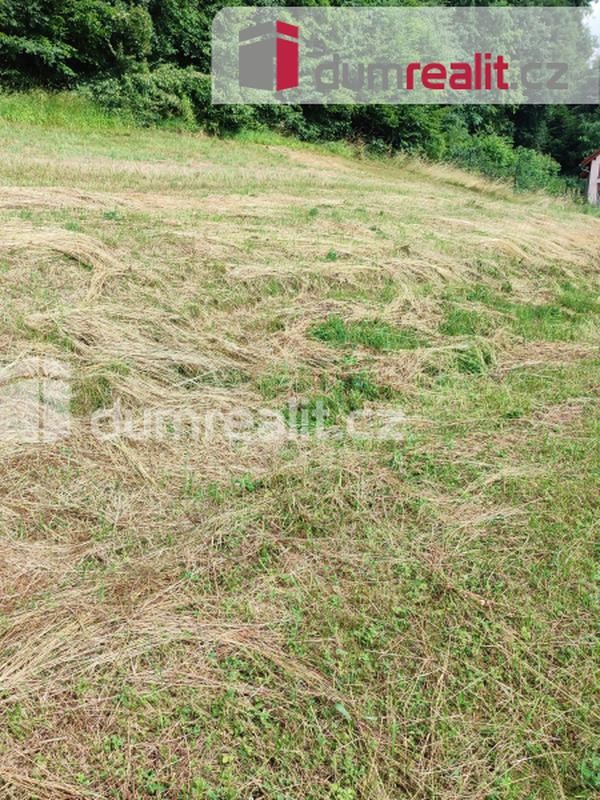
(327, 616)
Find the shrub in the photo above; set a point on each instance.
(168, 92)
(489, 154)
(150, 96)
(217, 119)
(496, 157)
(535, 170)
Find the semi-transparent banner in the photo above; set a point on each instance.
(404, 55)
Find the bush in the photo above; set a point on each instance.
(217, 119)
(490, 155)
(495, 157)
(170, 93)
(150, 96)
(535, 170)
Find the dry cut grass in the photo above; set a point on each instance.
(194, 616)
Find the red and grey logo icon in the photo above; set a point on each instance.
(269, 56)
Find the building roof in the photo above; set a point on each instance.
(590, 158)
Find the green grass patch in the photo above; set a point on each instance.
(464, 322)
(60, 110)
(335, 401)
(579, 300)
(374, 334)
(90, 395)
(376, 293)
(546, 322)
(480, 293)
(474, 357)
(560, 320)
(283, 381)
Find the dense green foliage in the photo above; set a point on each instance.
(151, 58)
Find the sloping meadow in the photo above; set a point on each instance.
(322, 518)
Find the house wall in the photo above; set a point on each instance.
(594, 187)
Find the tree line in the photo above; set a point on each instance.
(151, 59)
